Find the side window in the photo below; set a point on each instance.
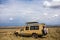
(34, 28)
(27, 28)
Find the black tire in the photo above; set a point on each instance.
(16, 33)
(34, 35)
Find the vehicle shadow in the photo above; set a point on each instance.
(31, 36)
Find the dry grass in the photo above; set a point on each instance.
(54, 34)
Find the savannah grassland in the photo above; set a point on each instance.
(8, 34)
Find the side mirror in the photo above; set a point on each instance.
(21, 29)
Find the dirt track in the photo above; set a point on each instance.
(54, 34)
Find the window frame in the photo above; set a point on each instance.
(27, 28)
(34, 28)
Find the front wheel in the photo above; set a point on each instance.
(16, 33)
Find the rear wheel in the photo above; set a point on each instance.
(34, 35)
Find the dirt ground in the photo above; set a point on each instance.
(7, 34)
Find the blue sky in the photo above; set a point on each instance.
(18, 12)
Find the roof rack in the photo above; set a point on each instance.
(31, 22)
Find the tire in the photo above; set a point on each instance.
(16, 33)
(34, 35)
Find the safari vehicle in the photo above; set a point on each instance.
(33, 29)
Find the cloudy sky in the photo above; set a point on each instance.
(18, 12)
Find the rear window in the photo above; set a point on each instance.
(34, 27)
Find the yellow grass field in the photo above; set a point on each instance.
(7, 34)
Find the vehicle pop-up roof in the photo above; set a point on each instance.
(32, 23)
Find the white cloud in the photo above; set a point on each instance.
(35, 18)
(47, 4)
(11, 18)
(56, 15)
(56, 0)
(45, 14)
(53, 3)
